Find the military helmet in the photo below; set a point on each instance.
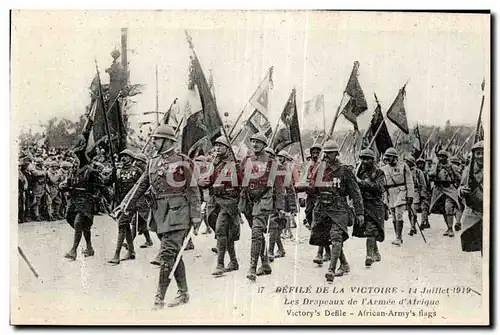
(391, 152)
(65, 164)
(259, 137)
(141, 157)
(443, 153)
(410, 159)
(330, 146)
(478, 145)
(420, 160)
(165, 131)
(127, 152)
(285, 155)
(316, 145)
(368, 153)
(270, 151)
(200, 158)
(223, 140)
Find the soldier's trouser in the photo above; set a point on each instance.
(425, 212)
(450, 209)
(309, 209)
(20, 207)
(222, 234)
(370, 247)
(397, 220)
(412, 216)
(337, 238)
(171, 243)
(82, 225)
(258, 244)
(53, 206)
(460, 210)
(37, 200)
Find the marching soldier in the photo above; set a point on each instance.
(225, 184)
(54, 201)
(371, 181)
(400, 190)
(140, 224)
(22, 190)
(84, 185)
(177, 206)
(456, 164)
(419, 187)
(472, 191)
(444, 194)
(332, 183)
(127, 176)
(262, 195)
(65, 196)
(424, 195)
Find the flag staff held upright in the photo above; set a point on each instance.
(379, 126)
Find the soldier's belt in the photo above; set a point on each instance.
(167, 196)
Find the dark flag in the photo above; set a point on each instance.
(383, 140)
(289, 131)
(417, 142)
(397, 112)
(356, 103)
(194, 135)
(211, 117)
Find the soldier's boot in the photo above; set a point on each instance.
(281, 249)
(447, 232)
(119, 242)
(50, 217)
(265, 268)
(221, 248)
(254, 257)
(182, 288)
(336, 251)
(233, 264)
(89, 252)
(163, 283)
(36, 213)
(157, 260)
(413, 222)
(344, 267)
(273, 234)
(449, 224)
(458, 224)
(370, 251)
(76, 241)
(399, 233)
(130, 241)
(319, 256)
(328, 256)
(376, 253)
(214, 250)
(190, 245)
(149, 241)
(394, 224)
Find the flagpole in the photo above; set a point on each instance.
(150, 137)
(270, 72)
(452, 138)
(470, 175)
(382, 122)
(463, 144)
(300, 136)
(344, 140)
(427, 142)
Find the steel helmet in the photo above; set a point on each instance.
(222, 140)
(443, 153)
(285, 155)
(141, 157)
(315, 146)
(127, 152)
(165, 131)
(478, 145)
(270, 151)
(259, 137)
(420, 160)
(391, 152)
(330, 146)
(368, 153)
(410, 159)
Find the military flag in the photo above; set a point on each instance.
(194, 135)
(355, 102)
(288, 130)
(397, 112)
(377, 132)
(313, 109)
(417, 142)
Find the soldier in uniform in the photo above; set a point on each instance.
(263, 194)
(225, 182)
(371, 182)
(424, 195)
(444, 194)
(65, 197)
(38, 177)
(419, 187)
(140, 224)
(22, 190)
(400, 190)
(332, 183)
(84, 185)
(177, 206)
(456, 164)
(472, 191)
(54, 178)
(127, 176)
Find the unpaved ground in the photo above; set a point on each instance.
(90, 291)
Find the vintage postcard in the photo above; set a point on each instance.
(250, 167)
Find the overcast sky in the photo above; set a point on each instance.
(444, 57)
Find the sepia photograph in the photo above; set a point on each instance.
(250, 167)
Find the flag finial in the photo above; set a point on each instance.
(483, 84)
(189, 39)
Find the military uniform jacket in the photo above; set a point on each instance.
(85, 185)
(224, 182)
(372, 186)
(265, 199)
(176, 197)
(127, 177)
(445, 184)
(399, 184)
(420, 185)
(38, 182)
(53, 180)
(476, 185)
